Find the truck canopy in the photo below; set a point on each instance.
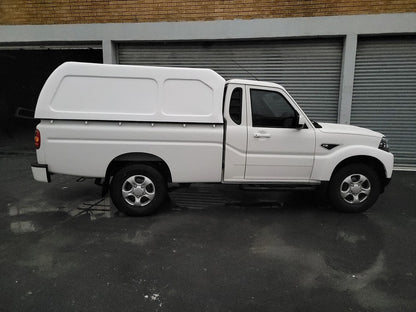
(85, 91)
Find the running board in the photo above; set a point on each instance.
(277, 187)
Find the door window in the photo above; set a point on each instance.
(271, 109)
(236, 105)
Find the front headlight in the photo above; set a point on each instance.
(384, 144)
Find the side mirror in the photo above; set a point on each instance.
(300, 122)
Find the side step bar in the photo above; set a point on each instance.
(278, 187)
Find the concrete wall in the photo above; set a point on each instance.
(35, 12)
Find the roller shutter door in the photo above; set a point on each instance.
(309, 69)
(384, 97)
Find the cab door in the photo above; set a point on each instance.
(277, 149)
(235, 146)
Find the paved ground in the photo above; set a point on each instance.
(211, 248)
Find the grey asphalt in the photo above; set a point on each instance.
(211, 248)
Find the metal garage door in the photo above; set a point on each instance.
(384, 97)
(309, 69)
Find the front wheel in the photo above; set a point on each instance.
(138, 190)
(354, 188)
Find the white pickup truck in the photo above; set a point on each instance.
(139, 128)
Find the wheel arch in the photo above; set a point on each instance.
(371, 161)
(136, 158)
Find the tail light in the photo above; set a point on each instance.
(37, 139)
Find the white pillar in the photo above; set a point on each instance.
(109, 52)
(347, 78)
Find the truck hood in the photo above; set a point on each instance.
(347, 129)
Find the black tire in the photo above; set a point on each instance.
(146, 195)
(354, 188)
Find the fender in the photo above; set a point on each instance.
(324, 165)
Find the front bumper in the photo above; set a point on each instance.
(41, 173)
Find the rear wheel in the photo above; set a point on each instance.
(138, 190)
(354, 188)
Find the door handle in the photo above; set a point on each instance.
(262, 135)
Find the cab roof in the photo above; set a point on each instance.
(255, 83)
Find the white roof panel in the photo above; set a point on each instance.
(85, 91)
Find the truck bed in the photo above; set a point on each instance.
(193, 152)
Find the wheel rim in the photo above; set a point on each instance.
(355, 188)
(138, 190)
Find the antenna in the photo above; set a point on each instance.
(245, 70)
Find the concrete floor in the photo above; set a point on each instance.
(211, 248)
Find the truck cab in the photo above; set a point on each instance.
(268, 136)
(270, 140)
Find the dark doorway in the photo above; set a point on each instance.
(22, 75)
